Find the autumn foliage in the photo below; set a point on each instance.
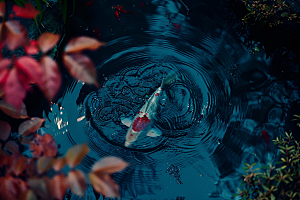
(43, 175)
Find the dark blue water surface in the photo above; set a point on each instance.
(211, 118)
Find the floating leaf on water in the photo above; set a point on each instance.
(82, 43)
(77, 182)
(30, 126)
(75, 154)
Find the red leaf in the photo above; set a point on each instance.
(77, 182)
(4, 130)
(52, 78)
(58, 186)
(43, 146)
(44, 163)
(28, 11)
(11, 187)
(14, 90)
(30, 169)
(2, 8)
(59, 163)
(75, 154)
(32, 47)
(30, 126)
(15, 34)
(18, 164)
(11, 111)
(81, 68)
(29, 71)
(82, 43)
(47, 41)
(109, 165)
(104, 185)
(12, 146)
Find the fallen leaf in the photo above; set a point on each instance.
(15, 34)
(14, 90)
(2, 8)
(52, 79)
(104, 185)
(44, 163)
(13, 112)
(75, 154)
(47, 41)
(11, 187)
(29, 71)
(59, 163)
(109, 165)
(5, 130)
(82, 43)
(30, 126)
(81, 68)
(12, 146)
(77, 182)
(27, 12)
(58, 186)
(40, 186)
(43, 146)
(32, 47)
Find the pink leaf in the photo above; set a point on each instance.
(4, 63)
(81, 68)
(14, 90)
(77, 182)
(52, 78)
(2, 8)
(15, 34)
(29, 71)
(13, 112)
(109, 165)
(12, 146)
(47, 41)
(58, 186)
(4, 130)
(32, 47)
(30, 126)
(28, 11)
(82, 43)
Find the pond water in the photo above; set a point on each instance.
(211, 117)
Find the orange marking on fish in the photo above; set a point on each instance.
(89, 3)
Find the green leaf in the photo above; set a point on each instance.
(46, 3)
(39, 7)
(60, 6)
(285, 14)
(264, 167)
(19, 3)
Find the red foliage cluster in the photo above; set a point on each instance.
(24, 177)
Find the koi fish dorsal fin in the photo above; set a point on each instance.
(154, 132)
(126, 121)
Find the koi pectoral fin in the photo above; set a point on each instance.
(126, 121)
(154, 132)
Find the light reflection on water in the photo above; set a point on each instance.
(211, 118)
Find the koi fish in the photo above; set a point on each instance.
(119, 9)
(117, 14)
(144, 120)
(266, 137)
(177, 27)
(89, 3)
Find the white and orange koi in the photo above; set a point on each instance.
(144, 120)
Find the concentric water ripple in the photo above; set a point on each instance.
(211, 117)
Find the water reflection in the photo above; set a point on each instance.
(211, 118)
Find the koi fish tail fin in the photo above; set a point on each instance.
(171, 78)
